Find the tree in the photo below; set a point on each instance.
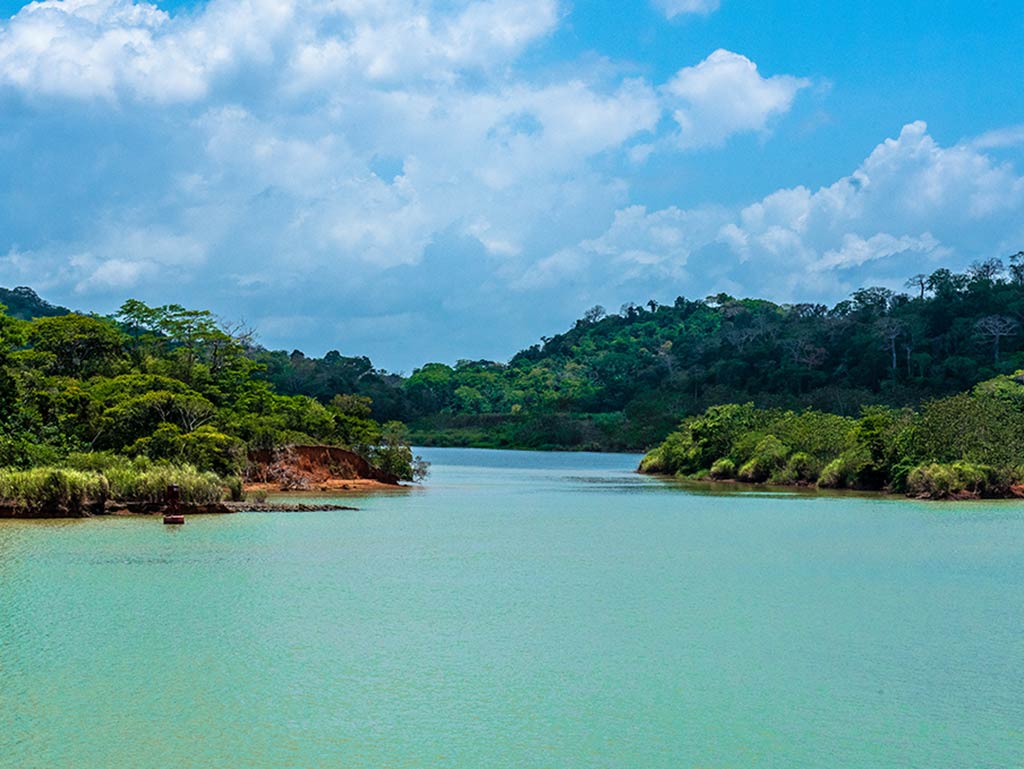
(945, 284)
(1017, 268)
(80, 345)
(985, 271)
(891, 329)
(919, 281)
(11, 336)
(874, 299)
(393, 454)
(997, 327)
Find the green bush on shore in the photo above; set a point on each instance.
(768, 459)
(801, 468)
(723, 469)
(844, 471)
(965, 445)
(941, 481)
(197, 488)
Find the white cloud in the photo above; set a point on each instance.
(366, 156)
(912, 203)
(1011, 136)
(118, 49)
(673, 8)
(856, 250)
(87, 49)
(725, 95)
(638, 245)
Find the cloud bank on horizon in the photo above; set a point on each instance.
(420, 180)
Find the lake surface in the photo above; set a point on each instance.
(522, 610)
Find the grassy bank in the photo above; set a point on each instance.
(88, 484)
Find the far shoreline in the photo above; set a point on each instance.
(737, 486)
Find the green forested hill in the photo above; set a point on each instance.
(163, 384)
(24, 304)
(624, 380)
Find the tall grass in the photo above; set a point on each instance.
(95, 479)
(150, 485)
(52, 489)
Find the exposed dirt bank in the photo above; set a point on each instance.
(306, 468)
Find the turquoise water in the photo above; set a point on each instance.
(522, 610)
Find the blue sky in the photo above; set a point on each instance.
(416, 180)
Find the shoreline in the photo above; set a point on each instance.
(272, 498)
(152, 509)
(1015, 492)
(340, 485)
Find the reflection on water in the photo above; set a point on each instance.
(527, 610)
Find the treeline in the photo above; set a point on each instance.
(966, 445)
(159, 384)
(622, 381)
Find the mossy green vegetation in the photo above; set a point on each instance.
(966, 445)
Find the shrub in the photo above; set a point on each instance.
(674, 455)
(769, 457)
(814, 433)
(234, 486)
(938, 481)
(933, 480)
(845, 470)
(801, 468)
(723, 468)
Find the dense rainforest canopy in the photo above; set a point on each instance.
(171, 381)
(164, 383)
(623, 381)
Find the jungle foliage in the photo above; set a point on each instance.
(969, 444)
(623, 381)
(171, 382)
(165, 384)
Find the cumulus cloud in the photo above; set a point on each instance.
(673, 8)
(725, 95)
(912, 203)
(311, 162)
(1010, 136)
(637, 246)
(120, 49)
(99, 48)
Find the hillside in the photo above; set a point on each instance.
(24, 303)
(95, 408)
(624, 380)
(617, 381)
